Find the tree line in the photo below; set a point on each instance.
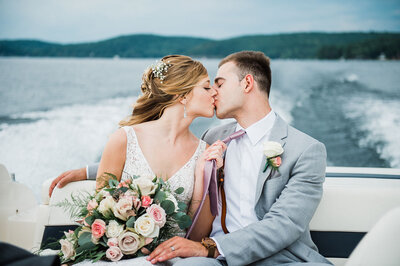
(354, 45)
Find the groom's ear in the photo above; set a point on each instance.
(249, 83)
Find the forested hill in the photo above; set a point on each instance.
(354, 45)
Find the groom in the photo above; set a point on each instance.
(267, 213)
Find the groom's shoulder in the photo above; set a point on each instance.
(301, 139)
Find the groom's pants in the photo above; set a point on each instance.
(200, 261)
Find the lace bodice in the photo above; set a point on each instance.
(136, 164)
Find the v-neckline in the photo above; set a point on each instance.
(147, 163)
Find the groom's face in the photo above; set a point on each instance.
(229, 98)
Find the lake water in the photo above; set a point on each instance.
(56, 114)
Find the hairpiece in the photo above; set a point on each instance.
(160, 69)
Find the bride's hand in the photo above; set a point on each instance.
(215, 152)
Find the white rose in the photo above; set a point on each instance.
(106, 205)
(114, 229)
(122, 207)
(147, 187)
(101, 195)
(67, 249)
(70, 236)
(129, 242)
(272, 149)
(146, 226)
(114, 254)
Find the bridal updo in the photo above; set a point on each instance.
(163, 84)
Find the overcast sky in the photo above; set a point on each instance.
(71, 21)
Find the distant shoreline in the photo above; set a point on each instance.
(195, 57)
(312, 45)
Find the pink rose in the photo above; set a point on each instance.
(277, 161)
(114, 254)
(112, 242)
(146, 201)
(92, 204)
(123, 184)
(157, 214)
(98, 228)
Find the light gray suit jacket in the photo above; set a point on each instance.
(285, 202)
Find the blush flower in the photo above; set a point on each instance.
(146, 201)
(114, 253)
(98, 228)
(157, 214)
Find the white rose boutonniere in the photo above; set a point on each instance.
(272, 151)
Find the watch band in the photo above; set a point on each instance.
(210, 245)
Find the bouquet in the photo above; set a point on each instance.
(123, 217)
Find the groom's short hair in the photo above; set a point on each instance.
(254, 63)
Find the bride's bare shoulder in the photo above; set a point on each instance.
(118, 138)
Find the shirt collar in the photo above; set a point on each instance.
(256, 131)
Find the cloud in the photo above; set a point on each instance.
(90, 20)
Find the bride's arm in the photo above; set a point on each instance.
(113, 158)
(204, 223)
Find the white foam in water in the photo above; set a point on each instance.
(63, 139)
(282, 106)
(351, 78)
(381, 120)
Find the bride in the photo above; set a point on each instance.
(156, 141)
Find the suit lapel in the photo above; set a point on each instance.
(278, 134)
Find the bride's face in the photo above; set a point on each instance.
(200, 101)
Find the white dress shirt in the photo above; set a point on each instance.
(242, 165)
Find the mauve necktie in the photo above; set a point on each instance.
(210, 183)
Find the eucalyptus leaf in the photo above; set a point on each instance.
(168, 206)
(179, 190)
(178, 215)
(85, 238)
(182, 206)
(185, 221)
(160, 196)
(89, 220)
(131, 222)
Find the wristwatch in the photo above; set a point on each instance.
(210, 245)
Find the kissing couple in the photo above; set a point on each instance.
(271, 174)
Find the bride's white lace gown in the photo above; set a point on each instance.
(136, 164)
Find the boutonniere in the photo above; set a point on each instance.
(273, 150)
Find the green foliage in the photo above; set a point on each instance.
(182, 206)
(77, 205)
(179, 190)
(160, 196)
(131, 222)
(184, 221)
(89, 220)
(168, 206)
(295, 45)
(85, 242)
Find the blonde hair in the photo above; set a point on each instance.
(182, 75)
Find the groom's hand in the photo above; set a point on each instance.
(177, 247)
(67, 177)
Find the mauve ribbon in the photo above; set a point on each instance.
(210, 184)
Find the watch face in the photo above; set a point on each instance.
(209, 242)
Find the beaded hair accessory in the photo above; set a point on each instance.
(160, 69)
